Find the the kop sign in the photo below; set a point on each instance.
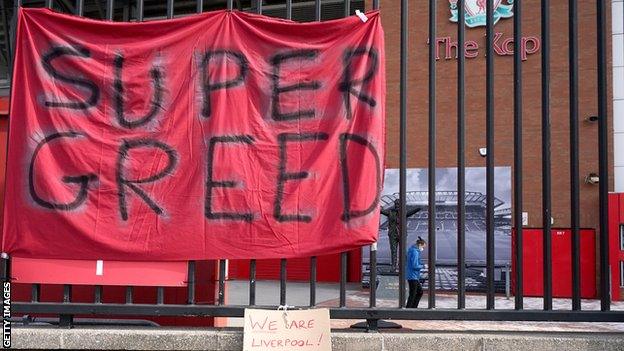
(475, 16)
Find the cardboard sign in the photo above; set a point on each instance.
(287, 330)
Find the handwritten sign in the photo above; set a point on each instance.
(218, 135)
(287, 330)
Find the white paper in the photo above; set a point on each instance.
(99, 267)
(287, 330)
(361, 15)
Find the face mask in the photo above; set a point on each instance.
(420, 248)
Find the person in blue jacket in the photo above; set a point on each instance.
(413, 273)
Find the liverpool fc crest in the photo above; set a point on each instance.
(476, 11)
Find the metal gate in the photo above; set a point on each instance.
(318, 10)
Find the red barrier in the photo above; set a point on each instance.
(532, 262)
(616, 254)
(154, 274)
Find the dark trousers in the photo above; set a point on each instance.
(415, 293)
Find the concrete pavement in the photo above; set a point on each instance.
(110, 338)
(327, 294)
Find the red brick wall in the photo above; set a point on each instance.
(475, 102)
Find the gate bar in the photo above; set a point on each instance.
(35, 293)
(288, 9)
(372, 323)
(259, 6)
(517, 24)
(67, 292)
(66, 320)
(129, 295)
(252, 282)
(489, 162)
(169, 9)
(4, 11)
(283, 281)
(343, 279)
(230, 4)
(98, 294)
(603, 156)
(140, 10)
(160, 295)
(200, 6)
(574, 155)
(18, 4)
(403, 151)
(110, 9)
(546, 181)
(79, 7)
(191, 283)
(372, 285)
(312, 281)
(347, 8)
(432, 153)
(461, 158)
(317, 10)
(221, 296)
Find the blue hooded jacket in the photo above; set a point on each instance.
(413, 263)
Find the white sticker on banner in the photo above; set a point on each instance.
(361, 15)
(99, 267)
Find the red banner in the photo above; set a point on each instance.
(220, 135)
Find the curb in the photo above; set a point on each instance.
(120, 338)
